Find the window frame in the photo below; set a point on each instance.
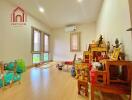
(44, 43)
(42, 48)
(78, 41)
(32, 48)
(43, 57)
(39, 58)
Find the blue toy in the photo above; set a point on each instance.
(73, 73)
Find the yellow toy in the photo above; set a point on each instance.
(81, 70)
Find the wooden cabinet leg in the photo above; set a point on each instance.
(78, 88)
(130, 97)
(92, 92)
(86, 90)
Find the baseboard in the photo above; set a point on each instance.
(30, 66)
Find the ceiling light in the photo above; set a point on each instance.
(41, 9)
(79, 1)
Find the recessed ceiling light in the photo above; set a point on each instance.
(41, 9)
(79, 1)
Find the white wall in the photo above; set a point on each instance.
(15, 41)
(113, 21)
(61, 41)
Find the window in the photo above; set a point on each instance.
(46, 47)
(46, 43)
(37, 41)
(40, 46)
(36, 58)
(46, 57)
(75, 41)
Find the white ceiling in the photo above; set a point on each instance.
(59, 13)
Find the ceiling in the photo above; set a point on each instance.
(59, 13)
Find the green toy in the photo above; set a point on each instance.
(12, 72)
(17, 77)
(8, 77)
(11, 77)
(10, 66)
(20, 66)
(1, 83)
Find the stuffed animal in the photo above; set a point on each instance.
(97, 66)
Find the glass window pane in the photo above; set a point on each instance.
(36, 40)
(46, 43)
(36, 58)
(74, 42)
(46, 56)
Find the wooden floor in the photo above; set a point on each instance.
(46, 84)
